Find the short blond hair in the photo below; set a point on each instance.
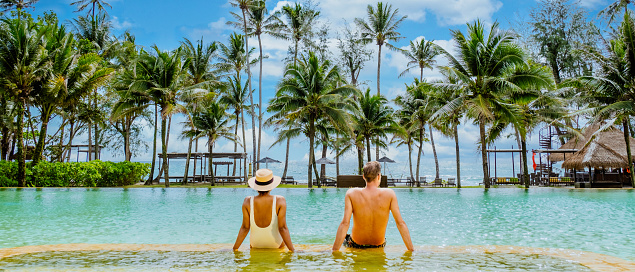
(371, 171)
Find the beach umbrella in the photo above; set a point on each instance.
(385, 160)
(324, 161)
(267, 160)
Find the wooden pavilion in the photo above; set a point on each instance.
(201, 171)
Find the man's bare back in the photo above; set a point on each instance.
(370, 208)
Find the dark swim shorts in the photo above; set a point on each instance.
(348, 242)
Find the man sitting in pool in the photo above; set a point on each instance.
(266, 210)
(370, 208)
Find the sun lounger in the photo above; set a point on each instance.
(437, 182)
(348, 181)
(451, 182)
(288, 180)
(423, 182)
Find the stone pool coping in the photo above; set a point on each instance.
(595, 261)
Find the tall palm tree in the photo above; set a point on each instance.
(19, 5)
(23, 61)
(258, 22)
(294, 23)
(381, 28)
(310, 92)
(615, 8)
(210, 121)
(92, 5)
(480, 64)
(235, 98)
(161, 78)
(420, 55)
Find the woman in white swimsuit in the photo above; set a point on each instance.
(264, 215)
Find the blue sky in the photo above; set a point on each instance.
(166, 22)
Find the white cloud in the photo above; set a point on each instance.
(116, 24)
(592, 3)
(451, 12)
(213, 31)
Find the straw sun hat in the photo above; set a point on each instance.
(264, 181)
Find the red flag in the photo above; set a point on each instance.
(533, 159)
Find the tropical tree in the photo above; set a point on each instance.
(92, 5)
(235, 98)
(421, 54)
(160, 78)
(380, 27)
(374, 119)
(610, 94)
(310, 92)
(70, 78)
(354, 54)
(210, 120)
(480, 66)
(23, 61)
(294, 23)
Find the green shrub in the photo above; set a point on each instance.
(76, 174)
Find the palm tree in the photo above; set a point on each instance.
(404, 136)
(374, 119)
(235, 98)
(19, 5)
(161, 77)
(420, 55)
(380, 28)
(210, 121)
(610, 95)
(23, 61)
(199, 75)
(614, 9)
(92, 5)
(258, 23)
(480, 65)
(293, 23)
(310, 92)
(417, 109)
(531, 103)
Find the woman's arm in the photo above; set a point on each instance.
(244, 228)
(282, 222)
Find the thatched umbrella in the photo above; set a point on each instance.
(577, 142)
(595, 155)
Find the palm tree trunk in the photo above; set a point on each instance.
(251, 96)
(70, 142)
(627, 138)
(210, 147)
(187, 162)
(20, 141)
(323, 166)
(434, 151)
(481, 126)
(311, 141)
(368, 147)
(126, 138)
(286, 160)
(4, 144)
(39, 147)
(419, 155)
(360, 160)
(164, 150)
(242, 119)
(378, 68)
(458, 157)
(90, 142)
(377, 149)
(236, 143)
(410, 159)
(154, 147)
(259, 98)
(524, 156)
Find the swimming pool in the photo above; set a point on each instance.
(599, 221)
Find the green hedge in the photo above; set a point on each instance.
(75, 174)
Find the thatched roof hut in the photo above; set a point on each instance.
(612, 138)
(596, 155)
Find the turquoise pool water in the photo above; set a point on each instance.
(599, 221)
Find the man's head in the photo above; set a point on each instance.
(371, 171)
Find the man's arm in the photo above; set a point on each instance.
(401, 224)
(282, 222)
(244, 228)
(346, 221)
